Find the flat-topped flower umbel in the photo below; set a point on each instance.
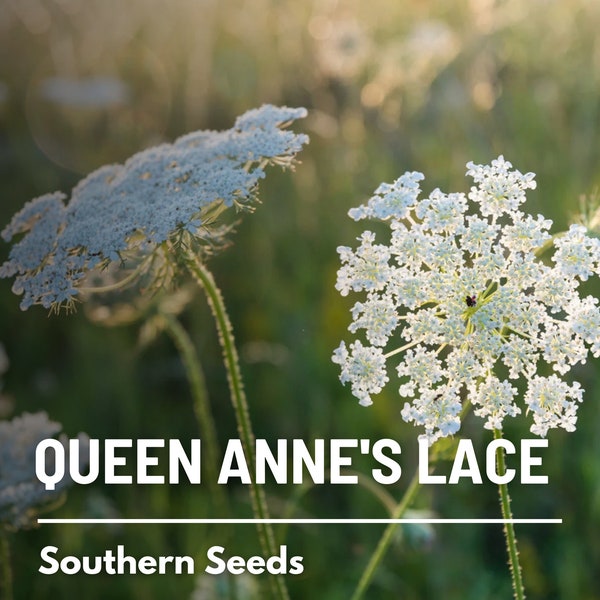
(165, 196)
(467, 303)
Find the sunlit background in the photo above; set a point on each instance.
(390, 86)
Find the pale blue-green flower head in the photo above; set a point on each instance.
(22, 495)
(159, 198)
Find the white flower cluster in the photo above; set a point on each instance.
(151, 199)
(468, 304)
(22, 495)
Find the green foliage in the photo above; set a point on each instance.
(390, 87)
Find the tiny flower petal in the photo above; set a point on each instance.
(364, 368)
(553, 403)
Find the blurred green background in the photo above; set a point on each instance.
(390, 86)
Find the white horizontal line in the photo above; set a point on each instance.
(294, 521)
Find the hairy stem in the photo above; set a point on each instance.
(386, 539)
(240, 405)
(6, 592)
(509, 530)
(195, 377)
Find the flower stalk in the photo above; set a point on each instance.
(386, 539)
(238, 397)
(6, 592)
(195, 376)
(509, 530)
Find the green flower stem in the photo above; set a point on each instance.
(549, 243)
(509, 530)
(240, 405)
(386, 538)
(195, 376)
(5, 570)
(402, 348)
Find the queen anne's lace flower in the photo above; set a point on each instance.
(464, 298)
(22, 495)
(155, 198)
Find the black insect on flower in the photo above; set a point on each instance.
(471, 301)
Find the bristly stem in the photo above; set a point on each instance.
(386, 539)
(6, 592)
(196, 380)
(240, 405)
(509, 530)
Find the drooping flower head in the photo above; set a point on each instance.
(164, 196)
(459, 302)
